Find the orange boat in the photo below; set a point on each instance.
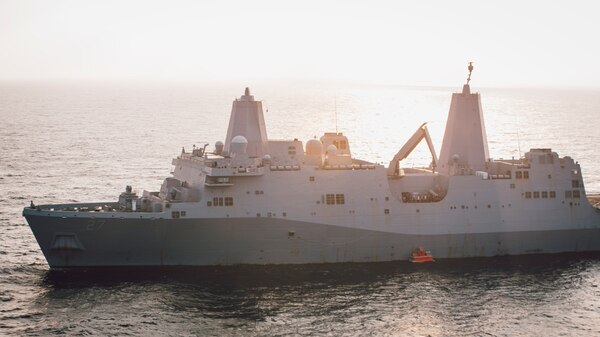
(420, 255)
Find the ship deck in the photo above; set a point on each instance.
(84, 207)
(594, 200)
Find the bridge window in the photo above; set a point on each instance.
(536, 195)
(220, 201)
(552, 194)
(525, 174)
(527, 195)
(545, 194)
(575, 183)
(576, 194)
(291, 150)
(335, 199)
(519, 175)
(568, 194)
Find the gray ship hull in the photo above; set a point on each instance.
(88, 242)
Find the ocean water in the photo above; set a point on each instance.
(79, 142)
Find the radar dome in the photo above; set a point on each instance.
(239, 144)
(266, 159)
(314, 147)
(219, 147)
(331, 149)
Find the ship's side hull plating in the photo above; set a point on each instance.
(85, 242)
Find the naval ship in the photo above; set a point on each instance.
(252, 200)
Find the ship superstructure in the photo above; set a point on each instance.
(252, 200)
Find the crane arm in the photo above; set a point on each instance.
(411, 144)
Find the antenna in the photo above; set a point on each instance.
(335, 112)
(518, 140)
(470, 71)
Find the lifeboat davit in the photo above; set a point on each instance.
(420, 255)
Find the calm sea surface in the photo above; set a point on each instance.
(76, 142)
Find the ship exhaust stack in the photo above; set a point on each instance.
(465, 146)
(247, 120)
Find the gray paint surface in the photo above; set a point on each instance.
(170, 242)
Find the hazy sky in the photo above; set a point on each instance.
(513, 43)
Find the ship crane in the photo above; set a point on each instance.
(411, 144)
